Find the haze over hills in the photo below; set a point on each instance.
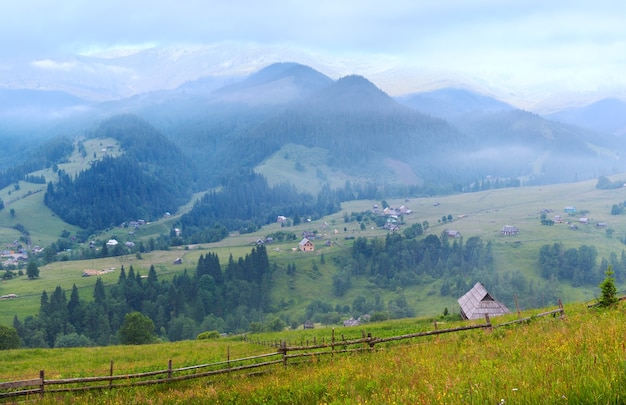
(453, 103)
(365, 131)
(196, 152)
(607, 115)
(124, 73)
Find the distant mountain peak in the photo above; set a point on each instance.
(452, 102)
(606, 115)
(277, 83)
(354, 92)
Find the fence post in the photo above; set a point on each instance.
(283, 350)
(332, 343)
(41, 384)
(371, 342)
(487, 322)
(228, 357)
(519, 314)
(169, 369)
(111, 375)
(561, 307)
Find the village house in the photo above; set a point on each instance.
(508, 230)
(390, 226)
(309, 235)
(569, 209)
(306, 245)
(452, 234)
(351, 322)
(477, 303)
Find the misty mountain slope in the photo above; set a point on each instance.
(607, 115)
(358, 124)
(453, 103)
(150, 178)
(200, 119)
(524, 143)
(279, 83)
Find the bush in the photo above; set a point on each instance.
(379, 316)
(137, 329)
(9, 339)
(208, 335)
(72, 340)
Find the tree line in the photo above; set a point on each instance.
(206, 299)
(579, 265)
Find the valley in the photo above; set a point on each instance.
(481, 214)
(157, 183)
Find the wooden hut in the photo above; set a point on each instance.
(477, 302)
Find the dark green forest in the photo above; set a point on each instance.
(51, 152)
(579, 265)
(246, 203)
(213, 297)
(151, 178)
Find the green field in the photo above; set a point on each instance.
(578, 359)
(480, 214)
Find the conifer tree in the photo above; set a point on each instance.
(608, 298)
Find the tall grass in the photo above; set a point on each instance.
(580, 359)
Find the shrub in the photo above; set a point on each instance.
(208, 335)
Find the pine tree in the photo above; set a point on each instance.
(609, 291)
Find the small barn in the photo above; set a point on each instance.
(452, 233)
(477, 302)
(306, 245)
(508, 230)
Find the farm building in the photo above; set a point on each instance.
(509, 230)
(306, 245)
(452, 233)
(569, 209)
(477, 302)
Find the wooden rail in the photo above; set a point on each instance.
(40, 386)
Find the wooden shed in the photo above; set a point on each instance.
(477, 302)
(306, 245)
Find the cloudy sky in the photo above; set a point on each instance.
(575, 46)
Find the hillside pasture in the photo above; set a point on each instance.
(570, 360)
(481, 214)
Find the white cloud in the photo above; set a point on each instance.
(49, 64)
(532, 43)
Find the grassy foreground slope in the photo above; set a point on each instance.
(579, 359)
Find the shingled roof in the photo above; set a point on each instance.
(477, 302)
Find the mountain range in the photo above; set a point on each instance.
(442, 141)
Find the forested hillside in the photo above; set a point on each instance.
(246, 202)
(29, 158)
(150, 178)
(206, 299)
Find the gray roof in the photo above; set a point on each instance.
(477, 302)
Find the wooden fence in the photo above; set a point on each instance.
(284, 352)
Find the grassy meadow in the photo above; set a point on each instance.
(480, 214)
(578, 359)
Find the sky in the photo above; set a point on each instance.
(547, 46)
